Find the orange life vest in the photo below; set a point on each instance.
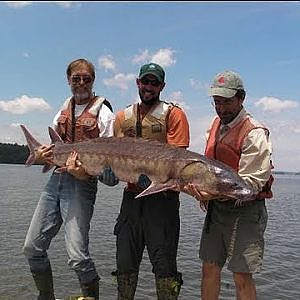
(228, 149)
(85, 126)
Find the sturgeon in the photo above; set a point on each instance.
(167, 166)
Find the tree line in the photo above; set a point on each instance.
(13, 153)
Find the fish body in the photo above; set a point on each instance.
(167, 166)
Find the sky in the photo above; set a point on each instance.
(192, 41)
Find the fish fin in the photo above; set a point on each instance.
(55, 137)
(156, 187)
(32, 144)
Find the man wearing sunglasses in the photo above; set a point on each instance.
(152, 221)
(68, 198)
(235, 232)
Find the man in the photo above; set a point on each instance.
(152, 221)
(230, 231)
(68, 198)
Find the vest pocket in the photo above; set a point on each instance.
(88, 124)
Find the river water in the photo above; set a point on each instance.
(20, 189)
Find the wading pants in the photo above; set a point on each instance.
(152, 222)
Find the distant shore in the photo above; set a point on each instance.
(285, 173)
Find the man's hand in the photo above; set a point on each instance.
(108, 177)
(202, 196)
(44, 154)
(75, 167)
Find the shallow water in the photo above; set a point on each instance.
(20, 188)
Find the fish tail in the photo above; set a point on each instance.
(32, 144)
(55, 137)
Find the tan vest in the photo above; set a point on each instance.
(85, 126)
(153, 125)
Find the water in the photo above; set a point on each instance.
(20, 188)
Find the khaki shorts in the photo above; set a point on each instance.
(236, 234)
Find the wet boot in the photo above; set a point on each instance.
(91, 289)
(127, 283)
(168, 288)
(44, 283)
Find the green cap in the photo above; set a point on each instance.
(226, 84)
(153, 69)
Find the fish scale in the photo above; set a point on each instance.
(168, 167)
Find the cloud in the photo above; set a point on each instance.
(163, 57)
(296, 130)
(20, 4)
(198, 85)
(107, 62)
(141, 58)
(178, 98)
(275, 105)
(12, 133)
(120, 81)
(17, 4)
(198, 127)
(67, 4)
(24, 104)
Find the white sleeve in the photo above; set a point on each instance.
(106, 122)
(255, 161)
(56, 118)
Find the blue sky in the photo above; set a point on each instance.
(192, 40)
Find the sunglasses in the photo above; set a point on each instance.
(76, 79)
(227, 102)
(146, 81)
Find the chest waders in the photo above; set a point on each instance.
(167, 288)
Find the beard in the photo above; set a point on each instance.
(81, 95)
(148, 101)
(227, 117)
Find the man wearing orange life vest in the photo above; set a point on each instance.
(235, 232)
(68, 198)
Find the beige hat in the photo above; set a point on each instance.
(226, 84)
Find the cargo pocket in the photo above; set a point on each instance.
(89, 127)
(263, 218)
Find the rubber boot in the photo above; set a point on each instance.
(127, 283)
(168, 288)
(91, 289)
(44, 283)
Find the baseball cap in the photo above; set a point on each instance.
(226, 84)
(153, 69)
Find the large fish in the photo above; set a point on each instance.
(168, 167)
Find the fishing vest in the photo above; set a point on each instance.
(229, 149)
(85, 126)
(153, 125)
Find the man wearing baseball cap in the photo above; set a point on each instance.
(151, 222)
(152, 69)
(231, 231)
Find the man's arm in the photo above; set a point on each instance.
(178, 132)
(255, 161)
